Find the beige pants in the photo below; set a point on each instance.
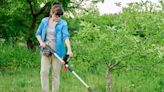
(46, 63)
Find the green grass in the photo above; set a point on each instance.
(28, 80)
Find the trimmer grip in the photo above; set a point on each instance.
(66, 59)
(49, 49)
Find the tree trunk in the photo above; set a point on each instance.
(109, 80)
(29, 42)
(110, 66)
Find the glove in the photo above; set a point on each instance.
(66, 60)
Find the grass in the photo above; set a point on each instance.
(28, 80)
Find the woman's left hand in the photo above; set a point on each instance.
(69, 52)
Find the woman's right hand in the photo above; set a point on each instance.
(43, 45)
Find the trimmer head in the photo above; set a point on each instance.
(90, 89)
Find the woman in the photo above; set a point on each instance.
(53, 31)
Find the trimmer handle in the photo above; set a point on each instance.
(66, 59)
(49, 49)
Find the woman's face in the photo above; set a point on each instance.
(54, 17)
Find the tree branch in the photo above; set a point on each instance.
(77, 5)
(41, 10)
(31, 7)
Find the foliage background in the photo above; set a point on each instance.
(134, 39)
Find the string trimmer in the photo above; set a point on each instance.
(65, 62)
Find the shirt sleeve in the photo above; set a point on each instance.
(39, 30)
(65, 31)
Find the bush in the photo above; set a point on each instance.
(17, 57)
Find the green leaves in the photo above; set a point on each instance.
(126, 37)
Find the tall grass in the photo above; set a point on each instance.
(16, 57)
